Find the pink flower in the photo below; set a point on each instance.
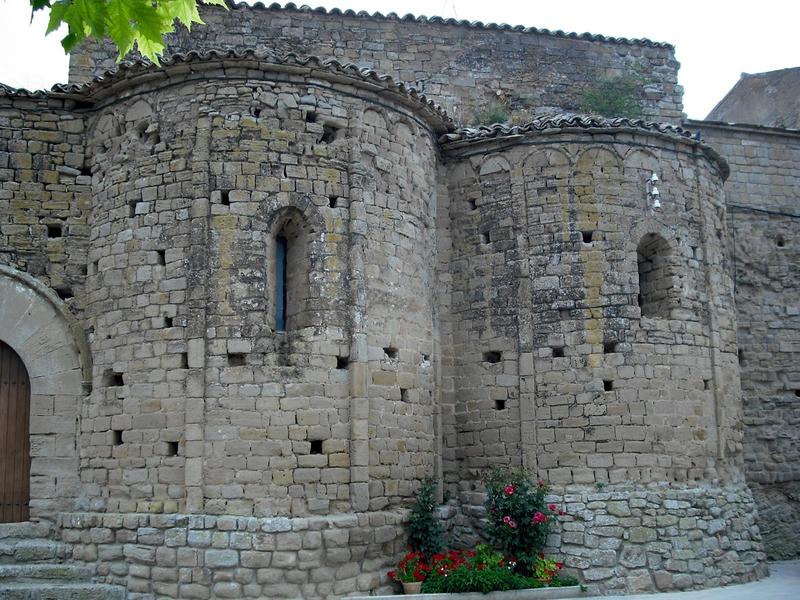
(506, 519)
(509, 489)
(512, 524)
(539, 518)
(552, 507)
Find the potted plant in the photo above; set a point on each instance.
(411, 572)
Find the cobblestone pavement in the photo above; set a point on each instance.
(782, 584)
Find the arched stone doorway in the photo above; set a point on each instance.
(49, 342)
(15, 456)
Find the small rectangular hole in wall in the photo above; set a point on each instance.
(64, 293)
(706, 384)
(333, 201)
(797, 393)
(169, 322)
(492, 357)
(403, 394)
(236, 359)
(608, 385)
(587, 236)
(558, 351)
(499, 404)
(329, 133)
(116, 435)
(132, 208)
(390, 352)
(54, 231)
(473, 205)
(96, 267)
(426, 358)
(184, 360)
(172, 448)
(740, 354)
(780, 242)
(316, 447)
(225, 197)
(485, 238)
(311, 117)
(85, 170)
(342, 362)
(112, 378)
(609, 347)
(161, 257)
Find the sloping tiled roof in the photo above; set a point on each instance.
(572, 122)
(289, 63)
(770, 99)
(566, 121)
(454, 22)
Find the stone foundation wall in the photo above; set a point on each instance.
(204, 556)
(625, 539)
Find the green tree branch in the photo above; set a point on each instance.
(140, 24)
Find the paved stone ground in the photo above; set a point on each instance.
(782, 584)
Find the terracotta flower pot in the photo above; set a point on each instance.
(412, 587)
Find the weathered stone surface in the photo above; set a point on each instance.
(449, 304)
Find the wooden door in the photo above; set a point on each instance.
(15, 456)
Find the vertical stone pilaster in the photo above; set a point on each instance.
(196, 325)
(359, 365)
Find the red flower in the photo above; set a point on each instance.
(552, 507)
(392, 574)
(509, 489)
(506, 519)
(512, 523)
(539, 518)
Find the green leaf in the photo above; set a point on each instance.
(184, 10)
(119, 26)
(129, 23)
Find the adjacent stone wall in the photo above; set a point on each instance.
(762, 194)
(465, 67)
(44, 192)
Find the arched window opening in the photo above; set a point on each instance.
(290, 269)
(656, 290)
(280, 282)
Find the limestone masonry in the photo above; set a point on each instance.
(264, 290)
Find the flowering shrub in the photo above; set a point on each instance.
(411, 568)
(546, 569)
(518, 518)
(483, 570)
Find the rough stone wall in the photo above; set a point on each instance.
(465, 68)
(762, 194)
(545, 282)
(200, 402)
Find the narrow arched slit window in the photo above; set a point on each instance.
(290, 272)
(280, 282)
(656, 277)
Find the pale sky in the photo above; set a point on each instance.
(715, 41)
